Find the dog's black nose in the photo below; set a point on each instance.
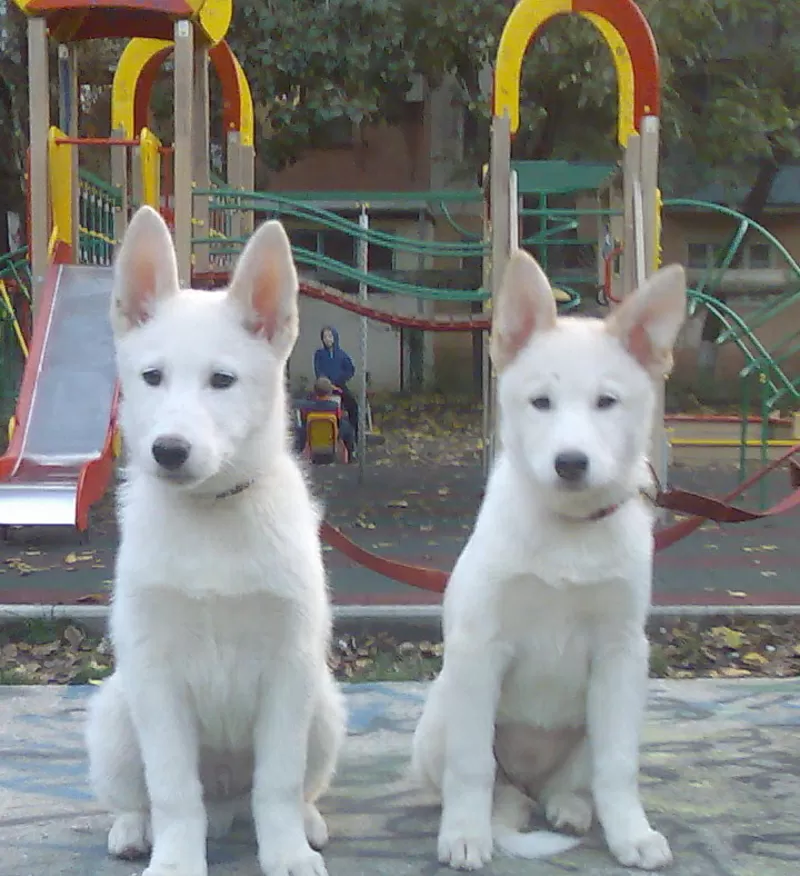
(171, 451)
(572, 466)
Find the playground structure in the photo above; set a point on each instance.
(52, 474)
(62, 437)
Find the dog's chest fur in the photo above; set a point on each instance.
(546, 589)
(217, 593)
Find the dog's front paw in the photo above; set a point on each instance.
(129, 837)
(465, 849)
(570, 812)
(648, 851)
(299, 862)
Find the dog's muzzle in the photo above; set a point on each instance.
(171, 452)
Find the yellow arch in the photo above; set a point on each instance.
(624, 68)
(215, 19)
(135, 57)
(247, 124)
(525, 19)
(133, 60)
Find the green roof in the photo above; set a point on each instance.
(785, 191)
(560, 177)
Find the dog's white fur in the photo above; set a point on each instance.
(546, 659)
(220, 619)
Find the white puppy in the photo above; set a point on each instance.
(220, 619)
(544, 684)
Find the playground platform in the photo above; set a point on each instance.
(719, 776)
(422, 513)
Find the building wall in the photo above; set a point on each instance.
(384, 356)
(748, 289)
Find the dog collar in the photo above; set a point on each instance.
(600, 514)
(235, 490)
(650, 493)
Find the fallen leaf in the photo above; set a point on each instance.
(734, 672)
(71, 558)
(397, 503)
(732, 638)
(754, 659)
(73, 635)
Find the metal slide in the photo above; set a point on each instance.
(59, 461)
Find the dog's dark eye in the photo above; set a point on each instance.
(606, 401)
(222, 380)
(153, 376)
(541, 403)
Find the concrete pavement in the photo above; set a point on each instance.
(721, 777)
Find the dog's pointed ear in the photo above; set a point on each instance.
(265, 286)
(525, 304)
(647, 323)
(145, 270)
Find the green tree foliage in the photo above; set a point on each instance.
(13, 113)
(731, 81)
(731, 71)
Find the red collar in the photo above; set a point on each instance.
(600, 514)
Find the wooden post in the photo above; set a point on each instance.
(247, 174)
(201, 156)
(486, 370)
(648, 176)
(137, 181)
(500, 210)
(233, 173)
(39, 97)
(119, 177)
(184, 100)
(630, 171)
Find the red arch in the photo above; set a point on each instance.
(629, 20)
(224, 63)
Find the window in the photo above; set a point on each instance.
(758, 256)
(305, 238)
(339, 245)
(698, 255)
(750, 257)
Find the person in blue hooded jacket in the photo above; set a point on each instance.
(331, 361)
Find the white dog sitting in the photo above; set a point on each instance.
(220, 619)
(544, 683)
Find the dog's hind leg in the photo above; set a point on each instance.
(566, 797)
(328, 730)
(116, 772)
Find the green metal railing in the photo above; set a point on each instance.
(764, 374)
(312, 217)
(98, 202)
(715, 273)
